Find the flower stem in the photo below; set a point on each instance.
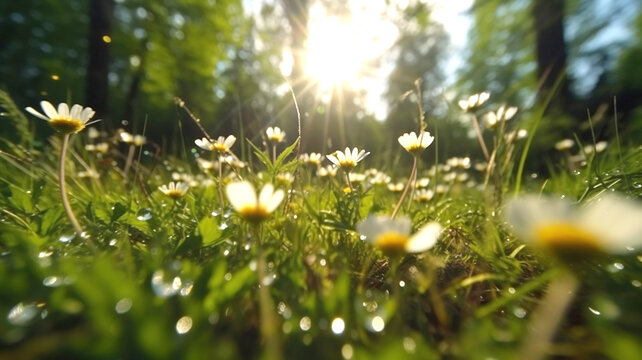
(269, 323)
(480, 138)
(548, 317)
(348, 180)
(130, 159)
(63, 190)
(413, 172)
(220, 183)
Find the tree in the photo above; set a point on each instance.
(100, 18)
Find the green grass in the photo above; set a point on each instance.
(158, 261)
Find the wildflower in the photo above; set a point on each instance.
(285, 178)
(564, 144)
(414, 144)
(92, 133)
(392, 236)
(474, 101)
(597, 148)
(516, 135)
(441, 189)
(396, 188)
(206, 165)
(174, 190)
(101, 148)
(243, 198)
(89, 173)
(357, 177)
(136, 140)
(422, 183)
(456, 162)
(275, 134)
(347, 160)
(221, 145)
(327, 171)
(312, 158)
(424, 195)
(610, 224)
(234, 162)
(502, 114)
(378, 178)
(64, 120)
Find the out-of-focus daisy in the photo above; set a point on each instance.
(327, 171)
(424, 195)
(136, 140)
(64, 120)
(243, 198)
(234, 162)
(474, 101)
(422, 183)
(357, 177)
(275, 134)
(174, 190)
(285, 178)
(102, 147)
(378, 178)
(564, 144)
(393, 236)
(609, 224)
(457, 162)
(414, 144)
(516, 135)
(441, 189)
(206, 165)
(396, 187)
(347, 160)
(597, 148)
(312, 158)
(502, 114)
(221, 145)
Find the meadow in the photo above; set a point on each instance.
(112, 248)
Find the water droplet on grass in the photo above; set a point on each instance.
(66, 238)
(144, 214)
(183, 325)
(594, 311)
(305, 324)
(52, 281)
(164, 288)
(347, 351)
(22, 314)
(376, 324)
(338, 325)
(123, 305)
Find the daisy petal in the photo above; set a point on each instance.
(63, 110)
(241, 194)
(49, 109)
(35, 113)
(425, 239)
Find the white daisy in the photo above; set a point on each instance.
(243, 198)
(609, 224)
(221, 145)
(347, 160)
(174, 190)
(474, 101)
(502, 114)
(275, 134)
(414, 144)
(64, 120)
(392, 236)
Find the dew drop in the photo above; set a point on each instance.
(162, 288)
(52, 281)
(594, 311)
(376, 324)
(347, 351)
(123, 305)
(305, 324)
(402, 283)
(22, 314)
(636, 283)
(187, 287)
(519, 312)
(144, 214)
(338, 325)
(113, 242)
(66, 238)
(409, 344)
(183, 325)
(223, 226)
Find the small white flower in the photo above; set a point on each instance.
(347, 160)
(392, 236)
(457, 162)
(136, 140)
(609, 224)
(422, 183)
(502, 114)
(206, 165)
(396, 187)
(474, 101)
(243, 198)
(275, 134)
(174, 190)
(424, 195)
(221, 145)
(564, 144)
(312, 158)
(597, 148)
(414, 144)
(327, 171)
(64, 120)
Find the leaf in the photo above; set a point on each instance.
(119, 210)
(36, 190)
(49, 219)
(209, 229)
(284, 154)
(262, 155)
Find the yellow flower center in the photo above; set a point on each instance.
(347, 164)
(563, 237)
(392, 242)
(254, 213)
(66, 126)
(220, 147)
(175, 194)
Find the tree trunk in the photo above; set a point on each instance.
(550, 51)
(100, 17)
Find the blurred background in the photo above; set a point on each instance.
(352, 65)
